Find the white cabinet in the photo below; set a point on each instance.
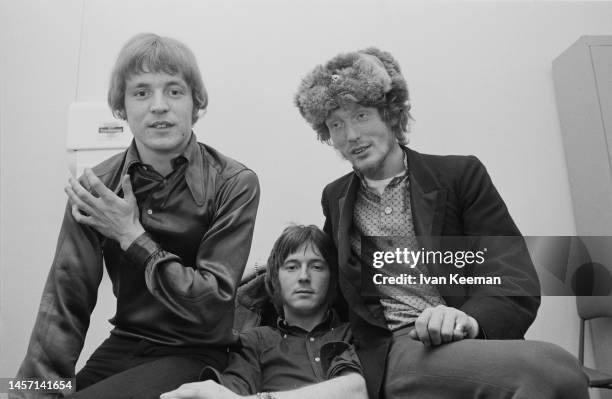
(93, 135)
(583, 83)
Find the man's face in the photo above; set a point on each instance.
(364, 139)
(304, 280)
(159, 109)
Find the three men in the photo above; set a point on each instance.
(411, 338)
(306, 354)
(173, 221)
(171, 218)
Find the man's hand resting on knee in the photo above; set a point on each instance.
(443, 324)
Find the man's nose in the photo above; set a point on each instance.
(304, 273)
(159, 103)
(352, 134)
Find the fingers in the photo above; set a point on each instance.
(128, 192)
(421, 326)
(113, 217)
(473, 328)
(81, 193)
(436, 322)
(447, 330)
(78, 216)
(443, 324)
(77, 202)
(435, 325)
(96, 185)
(460, 327)
(84, 204)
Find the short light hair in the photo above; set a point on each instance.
(290, 240)
(148, 52)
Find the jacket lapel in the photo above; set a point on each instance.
(427, 198)
(346, 205)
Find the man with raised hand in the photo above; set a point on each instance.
(171, 218)
(419, 339)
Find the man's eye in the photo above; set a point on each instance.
(140, 93)
(290, 267)
(176, 92)
(362, 116)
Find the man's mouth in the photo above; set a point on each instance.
(161, 124)
(359, 150)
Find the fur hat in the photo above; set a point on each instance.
(369, 77)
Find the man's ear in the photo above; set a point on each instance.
(393, 122)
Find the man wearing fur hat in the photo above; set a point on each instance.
(424, 339)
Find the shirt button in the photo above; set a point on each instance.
(388, 210)
(311, 339)
(317, 359)
(149, 211)
(285, 336)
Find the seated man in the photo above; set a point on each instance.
(307, 348)
(171, 218)
(425, 338)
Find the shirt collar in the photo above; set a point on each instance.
(194, 174)
(330, 321)
(396, 180)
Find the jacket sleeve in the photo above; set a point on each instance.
(69, 296)
(507, 310)
(222, 254)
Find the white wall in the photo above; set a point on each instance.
(38, 75)
(479, 76)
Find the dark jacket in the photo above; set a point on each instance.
(450, 196)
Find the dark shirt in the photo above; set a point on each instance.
(175, 284)
(288, 357)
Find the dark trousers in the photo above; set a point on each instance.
(474, 368)
(132, 368)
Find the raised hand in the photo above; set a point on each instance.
(97, 206)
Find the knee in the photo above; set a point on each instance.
(555, 372)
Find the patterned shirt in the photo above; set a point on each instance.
(390, 216)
